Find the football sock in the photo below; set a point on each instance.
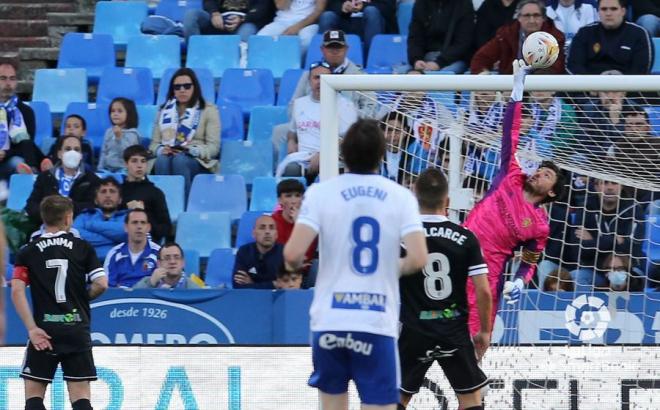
(82, 404)
(35, 403)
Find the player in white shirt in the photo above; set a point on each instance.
(361, 219)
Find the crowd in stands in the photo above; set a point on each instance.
(597, 235)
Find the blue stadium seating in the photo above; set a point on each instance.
(97, 118)
(59, 87)
(386, 51)
(156, 53)
(133, 83)
(218, 193)
(231, 120)
(192, 262)
(173, 188)
(44, 124)
(355, 53)
(120, 19)
(247, 158)
(653, 232)
(446, 98)
(93, 52)
(288, 85)
(214, 52)
(247, 88)
(264, 194)
(262, 120)
(656, 62)
(654, 119)
(403, 16)
(204, 77)
(204, 231)
(146, 117)
(245, 227)
(176, 9)
(20, 188)
(220, 268)
(277, 53)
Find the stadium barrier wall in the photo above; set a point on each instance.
(281, 317)
(275, 377)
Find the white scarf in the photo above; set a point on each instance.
(177, 131)
(12, 125)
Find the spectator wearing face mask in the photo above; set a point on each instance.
(68, 178)
(620, 275)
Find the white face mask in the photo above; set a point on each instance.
(617, 278)
(71, 159)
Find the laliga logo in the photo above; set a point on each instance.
(591, 323)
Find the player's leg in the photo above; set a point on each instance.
(38, 370)
(331, 370)
(79, 370)
(412, 348)
(464, 375)
(374, 369)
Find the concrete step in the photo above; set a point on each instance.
(71, 19)
(40, 2)
(23, 28)
(14, 43)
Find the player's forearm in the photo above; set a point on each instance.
(485, 307)
(22, 307)
(97, 288)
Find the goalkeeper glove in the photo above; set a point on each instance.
(520, 71)
(513, 290)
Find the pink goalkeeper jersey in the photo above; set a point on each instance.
(503, 219)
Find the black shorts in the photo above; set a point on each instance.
(41, 365)
(417, 353)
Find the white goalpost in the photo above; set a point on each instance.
(578, 338)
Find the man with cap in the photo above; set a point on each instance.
(304, 136)
(365, 18)
(334, 49)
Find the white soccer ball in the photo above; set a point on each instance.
(540, 49)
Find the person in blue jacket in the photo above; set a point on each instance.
(103, 225)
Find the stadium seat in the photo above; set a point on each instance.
(288, 85)
(387, 51)
(262, 120)
(173, 188)
(214, 52)
(192, 262)
(247, 158)
(277, 53)
(654, 118)
(146, 117)
(247, 88)
(59, 87)
(231, 121)
(176, 9)
(44, 123)
(653, 232)
(354, 54)
(153, 52)
(446, 98)
(204, 231)
(220, 268)
(204, 77)
(120, 19)
(93, 52)
(245, 226)
(403, 16)
(656, 61)
(218, 193)
(133, 83)
(20, 188)
(264, 194)
(97, 118)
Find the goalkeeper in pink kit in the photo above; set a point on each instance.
(511, 213)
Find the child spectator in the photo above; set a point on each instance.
(288, 280)
(75, 126)
(122, 134)
(560, 279)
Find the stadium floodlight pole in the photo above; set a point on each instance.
(331, 84)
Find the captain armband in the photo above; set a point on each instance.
(530, 257)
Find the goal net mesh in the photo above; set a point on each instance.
(581, 336)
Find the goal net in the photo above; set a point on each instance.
(586, 332)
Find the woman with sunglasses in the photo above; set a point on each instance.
(186, 136)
